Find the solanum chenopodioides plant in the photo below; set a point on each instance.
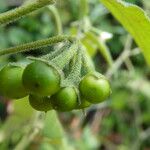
(62, 80)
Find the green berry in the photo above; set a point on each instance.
(95, 88)
(40, 103)
(11, 82)
(41, 79)
(65, 99)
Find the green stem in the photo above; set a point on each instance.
(22, 11)
(36, 44)
(84, 8)
(102, 47)
(57, 18)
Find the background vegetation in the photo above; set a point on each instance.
(120, 123)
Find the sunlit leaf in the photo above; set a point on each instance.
(134, 20)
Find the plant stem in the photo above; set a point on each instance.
(36, 44)
(23, 10)
(57, 18)
(123, 56)
(84, 8)
(102, 47)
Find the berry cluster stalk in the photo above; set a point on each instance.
(36, 44)
(22, 11)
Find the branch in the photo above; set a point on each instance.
(22, 11)
(57, 18)
(36, 44)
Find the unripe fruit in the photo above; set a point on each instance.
(95, 88)
(41, 79)
(11, 82)
(65, 99)
(40, 103)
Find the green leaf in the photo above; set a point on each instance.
(54, 133)
(53, 128)
(134, 20)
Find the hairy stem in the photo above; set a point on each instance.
(36, 44)
(23, 10)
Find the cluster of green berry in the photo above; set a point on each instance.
(43, 83)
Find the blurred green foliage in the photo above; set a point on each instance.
(123, 123)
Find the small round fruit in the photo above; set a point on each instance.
(41, 79)
(40, 103)
(95, 88)
(84, 104)
(65, 99)
(11, 82)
